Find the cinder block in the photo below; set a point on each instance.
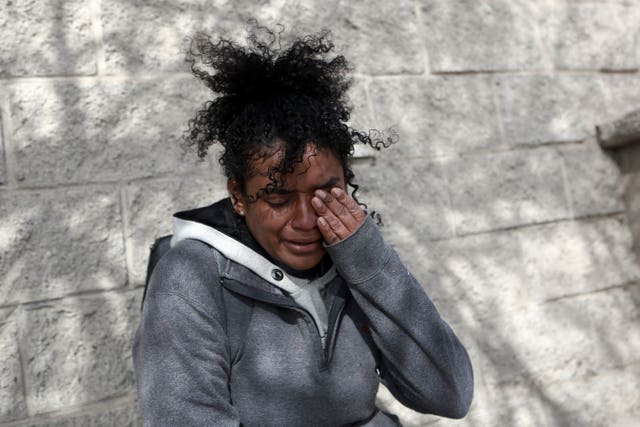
(465, 35)
(479, 276)
(126, 416)
(437, 115)
(359, 100)
(596, 35)
(3, 163)
(151, 36)
(489, 274)
(383, 39)
(506, 189)
(46, 37)
(622, 94)
(543, 109)
(361, 115)
(59, 241)
(615, 317)
(424, 259)
(95, 131)
(377, 40)
(151, 205)
(540, 342)
(413, 209)
(563, 340)
(603, 398)
(599, 398)
(12, 403)
(78, 350)
(593, 179)
(574, 257)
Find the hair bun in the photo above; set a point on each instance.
(263, 70)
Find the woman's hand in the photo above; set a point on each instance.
(338, 214)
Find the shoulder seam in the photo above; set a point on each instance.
(191, 302)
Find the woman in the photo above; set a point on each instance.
(329, 309)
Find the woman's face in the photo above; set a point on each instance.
(283, 221)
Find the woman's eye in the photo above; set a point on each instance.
(276, 203)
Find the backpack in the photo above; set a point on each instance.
(237, 308)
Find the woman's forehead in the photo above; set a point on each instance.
(315, 168)
(268, 160)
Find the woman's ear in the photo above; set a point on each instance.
(233, 188)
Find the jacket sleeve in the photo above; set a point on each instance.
(180, 352)
(424, 365)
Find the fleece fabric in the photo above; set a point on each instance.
(380, 327)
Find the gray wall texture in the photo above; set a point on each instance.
(496, 196)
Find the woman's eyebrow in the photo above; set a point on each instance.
(280, 190)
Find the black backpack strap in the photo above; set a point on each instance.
(158, 249)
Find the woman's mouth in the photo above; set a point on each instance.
(303, 246)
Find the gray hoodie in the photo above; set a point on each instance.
(315, 349)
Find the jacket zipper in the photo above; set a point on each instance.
(335, 311)
(332, 327)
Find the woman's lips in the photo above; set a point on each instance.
(303, 246)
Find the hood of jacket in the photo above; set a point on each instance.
(218, 226)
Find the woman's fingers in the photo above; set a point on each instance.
(330, 226)
(351, 208)
(327, 233)
(338, 214)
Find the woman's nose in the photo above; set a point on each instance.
(304, 217)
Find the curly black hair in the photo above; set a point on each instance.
(272, 99)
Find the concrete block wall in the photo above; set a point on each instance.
(496, 196)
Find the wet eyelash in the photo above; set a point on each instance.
(277, 204)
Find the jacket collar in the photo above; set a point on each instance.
(245, 256)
